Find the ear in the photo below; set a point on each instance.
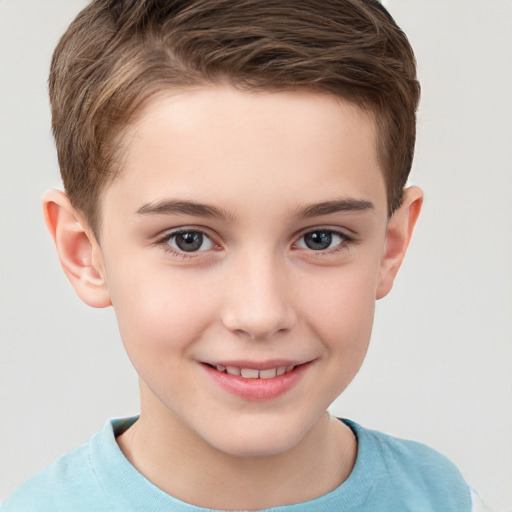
(398, 236)
(79, 253)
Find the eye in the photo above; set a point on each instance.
(189, 241)
(321, 240)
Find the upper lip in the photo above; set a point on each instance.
(256, 365)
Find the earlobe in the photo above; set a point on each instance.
(398, 236)
(77, 248)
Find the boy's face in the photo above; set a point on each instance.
(246, 230)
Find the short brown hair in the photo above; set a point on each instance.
(118, 53)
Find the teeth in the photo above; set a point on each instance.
(250, 373)
(268, 374)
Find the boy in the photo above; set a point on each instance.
(235, 178)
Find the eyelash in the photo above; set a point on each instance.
(164, 242)
(344, 243)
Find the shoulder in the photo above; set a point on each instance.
(56, 487)
(423, 478)
(70, 483)
(406, 453)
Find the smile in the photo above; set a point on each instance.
(252, 373)
(268, 382)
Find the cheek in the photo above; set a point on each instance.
(341, 307)
(160, 313)
(343, 323)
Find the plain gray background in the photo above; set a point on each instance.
(439, 369)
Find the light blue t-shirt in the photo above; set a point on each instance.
(390, 475)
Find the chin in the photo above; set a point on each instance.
(254, 448)
(258, 437)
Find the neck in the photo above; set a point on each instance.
(185, 466)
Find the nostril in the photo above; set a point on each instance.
(260, 327)
(262, 311)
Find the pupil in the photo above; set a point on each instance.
(318, 240)
(189, 242)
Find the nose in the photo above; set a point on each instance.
(259, 298)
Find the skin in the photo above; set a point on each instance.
(254, 292)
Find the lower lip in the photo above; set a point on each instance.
(257, 389)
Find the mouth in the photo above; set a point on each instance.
(267, 382)
(253, 373)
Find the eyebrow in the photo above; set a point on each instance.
(179, 207)
(335, 206)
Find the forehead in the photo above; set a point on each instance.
(218, 144)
